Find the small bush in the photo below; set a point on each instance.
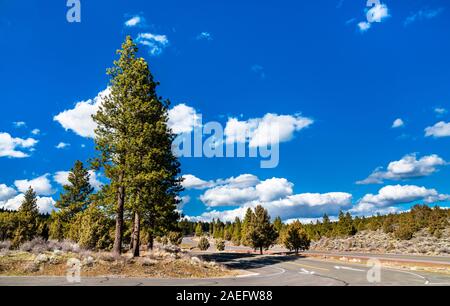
(175, 238)
(203, 244)
(220, 244)
(5, 245)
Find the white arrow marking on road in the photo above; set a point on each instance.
(304, 271)
(348, 268)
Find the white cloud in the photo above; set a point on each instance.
(270, 129)
(62, 178)
(183, 119)
(407, 167)
(19, 124)
(44, 204)
(155, 42)
(41, 185)
(398, 123)
(36, 131)
(192, 182)
(10, 146)
(423, 14)
(363, 26)
(204, 36)
(440, 129)
(307, 205)
(376, 13)
(275, 194)
(62, 145)
(6, 192)
(440, 111)
(390, 196)
(79, 119)
(134, 21)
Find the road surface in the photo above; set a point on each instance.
(266, 270)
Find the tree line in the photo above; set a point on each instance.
(401, 225)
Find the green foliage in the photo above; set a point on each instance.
(261, 233)
(295, 237)
(198, 230)
(27, 219)
(92, 229)
(175, 238)
(220, 244)
(203, 244)
(236, 238)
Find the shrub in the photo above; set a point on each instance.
(175, 238)
(203, 244)
(220, 244)
(5, 245)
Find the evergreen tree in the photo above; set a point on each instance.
(74, 199)
(278, 224)
(296, 238)
(246, 227)
(27, 218)
(198, 230)
(262, 233)
(135, 142)
(236, 238)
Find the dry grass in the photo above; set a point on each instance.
(157, 264)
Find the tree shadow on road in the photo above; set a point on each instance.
(248, 261)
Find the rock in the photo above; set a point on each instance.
(195, 260)
(41, 258)
(32, 267)
(54, 260)
(88, 261)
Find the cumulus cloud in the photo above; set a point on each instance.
(390, 196)
(79, 119)
(36, 131)
(41, 185)
(275, 194)
(6, 192)
(14, 147)
(183, 119)
(406, 168)
(307, 205)
(398, 123)
(423, 14)
(363, 26)
(62, 178)
(44, 204)
(270, 129)
(440, 129)
(156, 43)
(192, 182)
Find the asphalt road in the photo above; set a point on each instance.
(264, 270)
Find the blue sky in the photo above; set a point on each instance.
(347, 69)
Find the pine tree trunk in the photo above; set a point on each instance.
(132, 236)
(260, 250)
(117, 249)
(136, 234)
(150, 241)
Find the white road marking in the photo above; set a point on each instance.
(304, 271)
(348, 268)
